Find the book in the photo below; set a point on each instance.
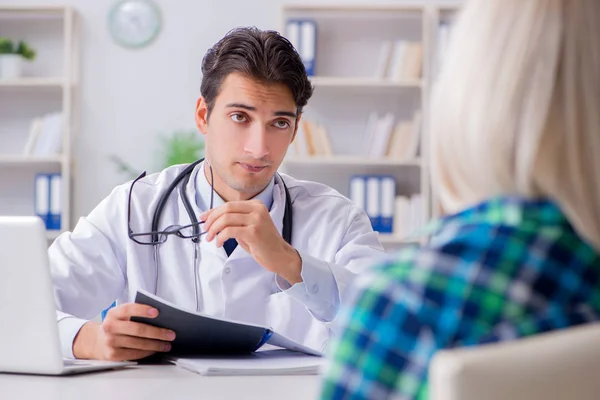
(381, 136)
(48, 141)
(34, 133)
(198, 334)
(268, 362)
(383, 62)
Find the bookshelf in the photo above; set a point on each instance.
(442, 18)
(49, 84)
(350, 85)
(349, 161)
(375, 83)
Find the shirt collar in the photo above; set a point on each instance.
(203, 192)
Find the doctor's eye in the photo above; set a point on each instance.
(282, 124)
(238, 118)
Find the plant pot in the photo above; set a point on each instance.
(11, 66)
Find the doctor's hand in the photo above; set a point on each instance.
(251, 225)
(119, 339)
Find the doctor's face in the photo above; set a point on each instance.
(248, 132)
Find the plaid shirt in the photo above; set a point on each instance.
(507, 268)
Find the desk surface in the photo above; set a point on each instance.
(157, 382)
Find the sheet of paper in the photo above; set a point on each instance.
(269, 362)
(281, 341)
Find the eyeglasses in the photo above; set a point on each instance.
(190, 231)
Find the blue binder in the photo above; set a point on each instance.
(47, 199)
(302, 33)
(55, 209)
(373, 200)
(41, 193)
(387, 201)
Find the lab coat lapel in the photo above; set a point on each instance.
(190, 191)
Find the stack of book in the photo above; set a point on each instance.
(399, 141)
(311, 139)
(408, 215)
(45, 136)
(400, 60)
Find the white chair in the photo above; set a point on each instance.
(561, 365)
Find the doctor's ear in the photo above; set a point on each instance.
(202, 115)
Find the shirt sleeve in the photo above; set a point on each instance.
(87, 268)
(324, 283)
(318, 290)
(68, 328)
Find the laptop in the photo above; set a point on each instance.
(29, 340)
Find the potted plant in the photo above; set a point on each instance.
(180, 147)
(11, 58)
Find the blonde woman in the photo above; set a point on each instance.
(515, 148)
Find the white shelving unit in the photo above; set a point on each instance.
(55, 83)
(349, 39)
(350, 161)
(440, 15)
(50, 84)
(375, 83)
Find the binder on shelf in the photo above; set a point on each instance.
(292, 33)
(47, 204)
(388, 196)
(376, 194)
(42, 197)
(357, 190)
(302, 33)
(55, 216)
(373, 203)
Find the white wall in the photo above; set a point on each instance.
(129, 97)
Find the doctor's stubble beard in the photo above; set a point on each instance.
(242, 187)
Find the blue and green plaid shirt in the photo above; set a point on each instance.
(504, 269)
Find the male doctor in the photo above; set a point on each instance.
(218, 245)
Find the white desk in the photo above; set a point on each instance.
(160, 382)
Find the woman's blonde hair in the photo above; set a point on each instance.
(516, 109)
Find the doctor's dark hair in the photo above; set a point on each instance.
(264, 56)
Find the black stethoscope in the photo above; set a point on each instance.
(181, 181)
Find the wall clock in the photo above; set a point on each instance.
(134, 23)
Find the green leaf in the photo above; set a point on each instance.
(182, 147)
(25, 51)
(6, 46)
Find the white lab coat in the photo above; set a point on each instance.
(97, 263)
